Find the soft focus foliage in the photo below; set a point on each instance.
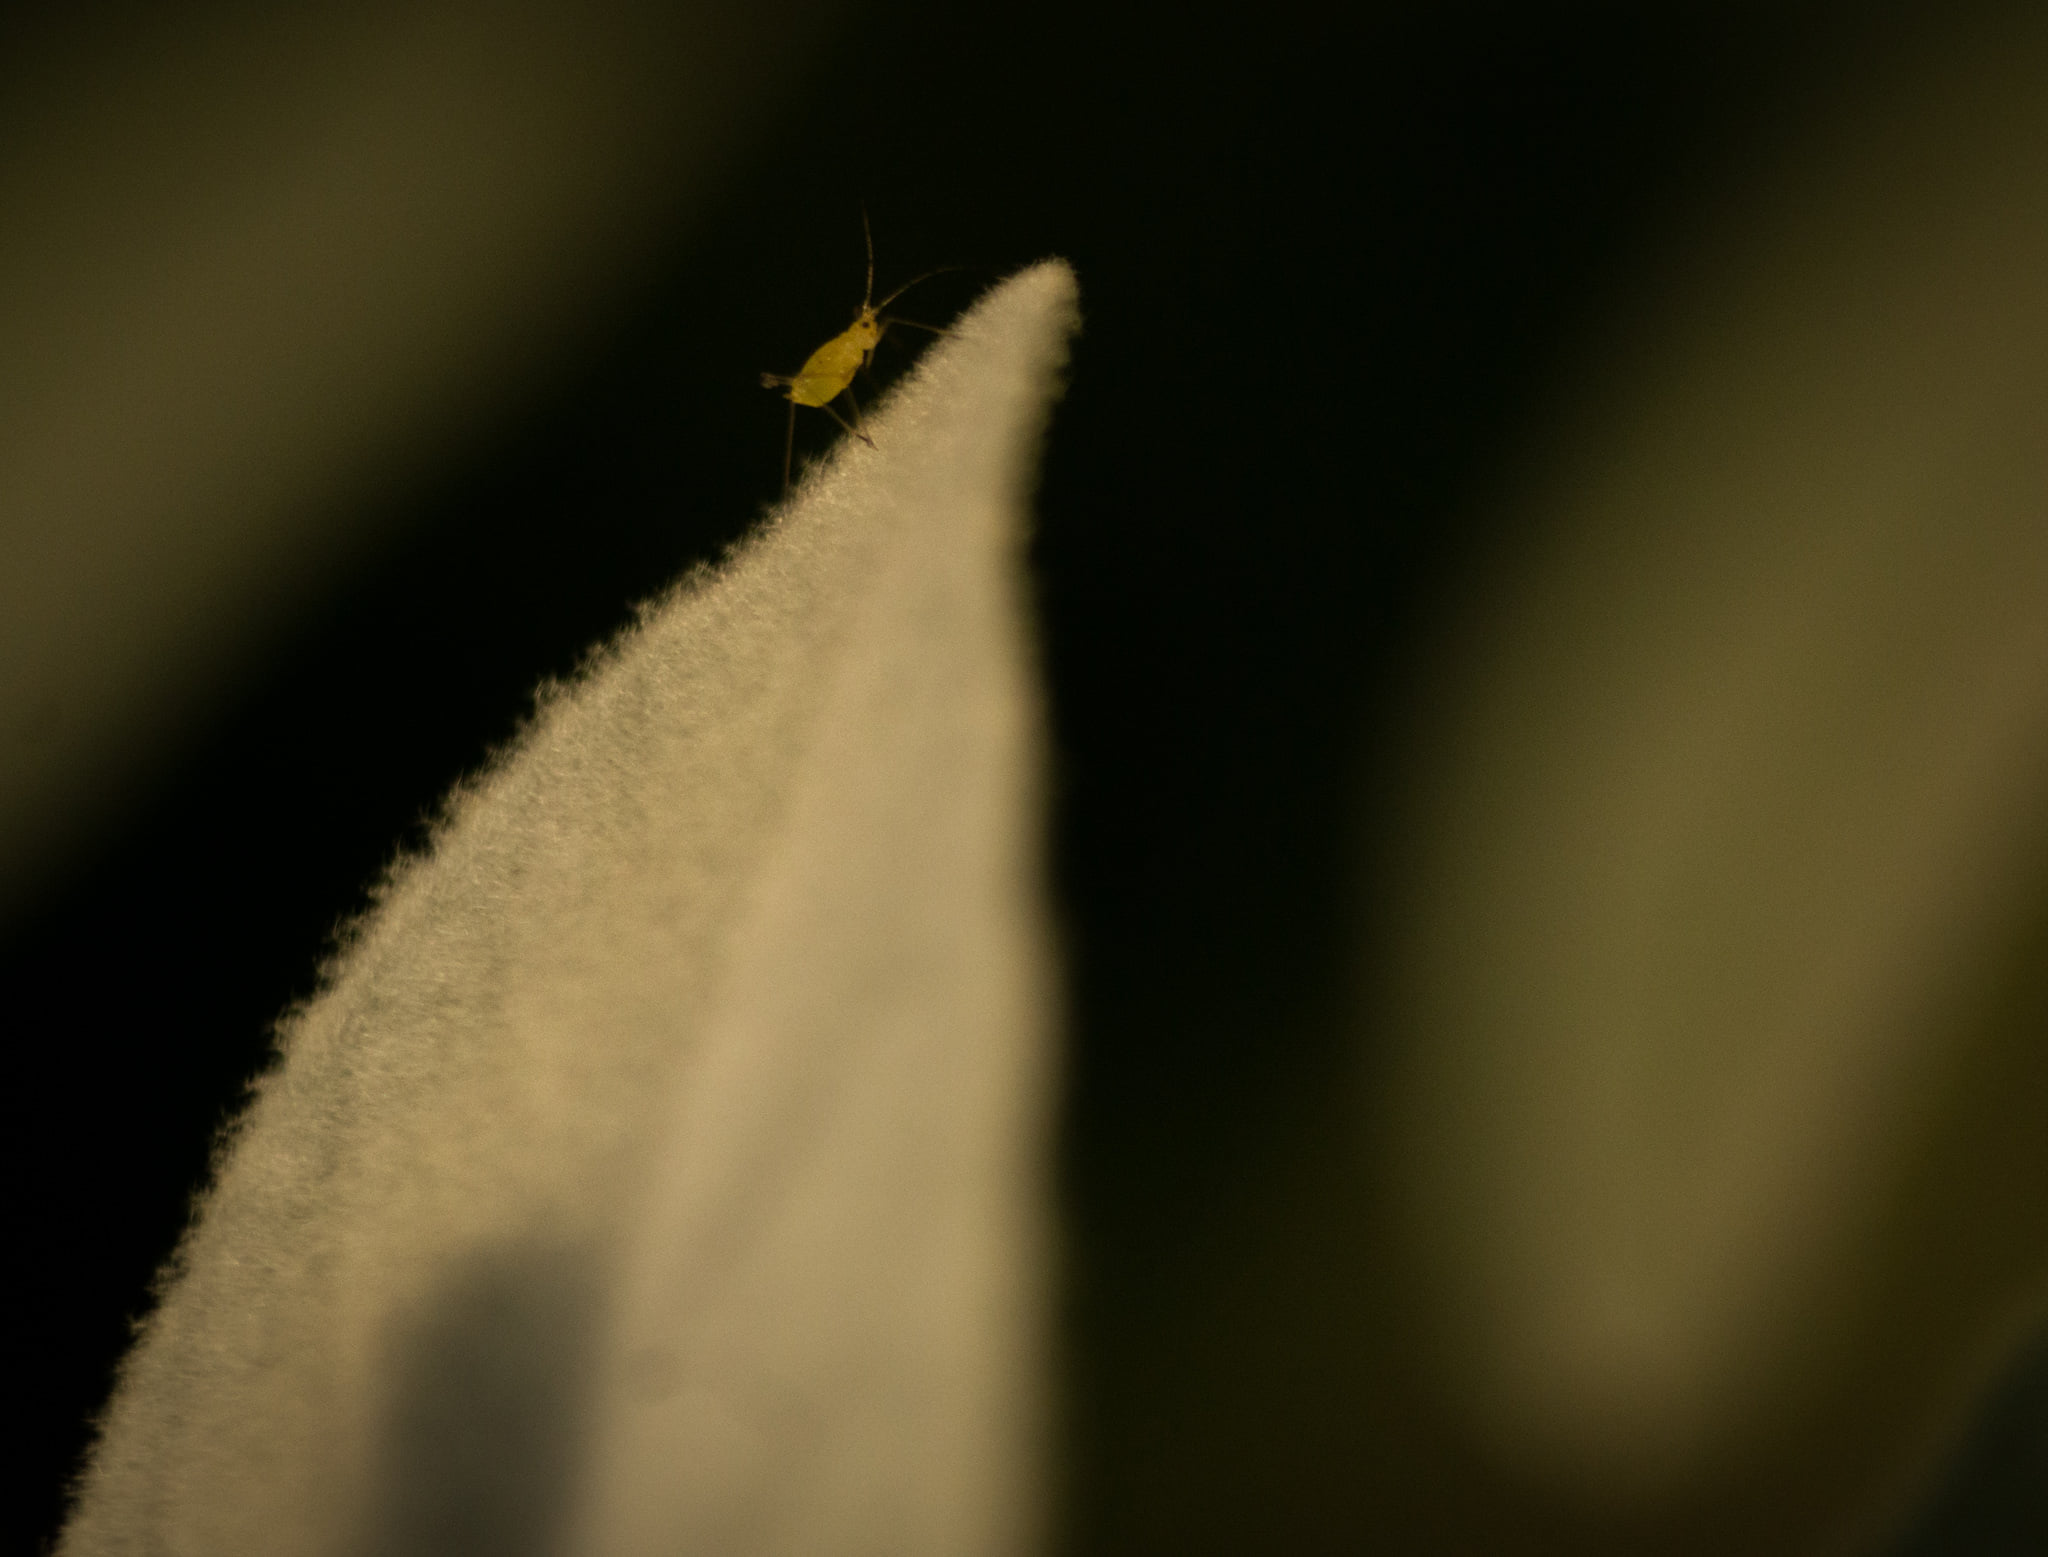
(263, 266)
(1729, 847)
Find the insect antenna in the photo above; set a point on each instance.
(867, 233)
(913, 281)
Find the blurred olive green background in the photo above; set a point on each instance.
(1545, 607)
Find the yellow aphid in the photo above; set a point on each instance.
(828, 372)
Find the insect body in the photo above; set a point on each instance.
(828, 372)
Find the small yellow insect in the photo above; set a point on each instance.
(828, 372)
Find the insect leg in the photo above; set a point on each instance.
(843, 422)
(788, 447)
(860, 424)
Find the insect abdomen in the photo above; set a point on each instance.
(828, 370)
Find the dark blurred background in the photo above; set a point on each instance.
(1331, 270)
